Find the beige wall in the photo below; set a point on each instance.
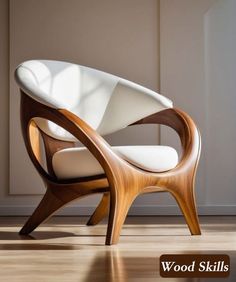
(183, 68)
(220, 61)
(4, 99)
(198, 72)
(186, 54)
(120, 37)
(7, 203)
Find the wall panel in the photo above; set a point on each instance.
(99, 34)
(197, 71)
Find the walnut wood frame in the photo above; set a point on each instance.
(122, 181)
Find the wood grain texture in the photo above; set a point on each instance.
(122, 180)
(35, 140)
(101, 211)
(52, 146)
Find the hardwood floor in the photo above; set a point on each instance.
(65, 249)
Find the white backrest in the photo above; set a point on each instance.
(106, 102)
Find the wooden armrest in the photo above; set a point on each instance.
(185, 127)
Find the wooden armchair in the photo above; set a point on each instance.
(63, 103)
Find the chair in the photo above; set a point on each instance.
(64, 103)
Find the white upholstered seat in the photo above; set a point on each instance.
(79, 162)
(106, 102)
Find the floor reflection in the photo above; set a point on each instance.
(117, 266)
(114, 265)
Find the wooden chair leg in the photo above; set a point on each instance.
(119, 207)
(186, 201)
(48, 205)
(101, 211)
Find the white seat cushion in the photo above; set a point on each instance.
(79, 162)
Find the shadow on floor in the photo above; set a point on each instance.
(42, 235)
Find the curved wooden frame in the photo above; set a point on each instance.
(122, 181)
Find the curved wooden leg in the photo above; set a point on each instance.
(46, 208)
(119, 207)
(101, 211)
(186, 201)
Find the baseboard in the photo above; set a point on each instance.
(135, 210)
